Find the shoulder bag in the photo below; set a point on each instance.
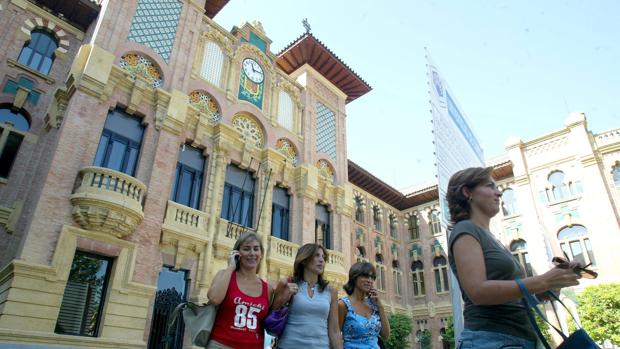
(578, 340)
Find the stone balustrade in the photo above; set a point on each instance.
(608, 137)
(108, 201)
(185, 220)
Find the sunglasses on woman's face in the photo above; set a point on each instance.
(583, 271)
(369, 276)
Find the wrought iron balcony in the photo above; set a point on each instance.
(108, 201)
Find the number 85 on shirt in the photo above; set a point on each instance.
(246, 317)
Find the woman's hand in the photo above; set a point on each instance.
(374, 297)
(284, 292)
(233, 257)
(558, 277)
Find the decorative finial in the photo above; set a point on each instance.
(306, 25)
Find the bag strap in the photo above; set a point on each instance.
(530, 302)
(557, 299)
(173, 319)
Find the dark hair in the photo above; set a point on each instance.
(304, 254)
(358, 269)
(458, 203)
(245, 237)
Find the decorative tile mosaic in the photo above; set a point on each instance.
(249, 129)
(139, 65)
(437, 248)
(415, 251)
(286, 148)
(206, 105)
(325, 131)
(155, 25)
(325, 169)
(11, 88)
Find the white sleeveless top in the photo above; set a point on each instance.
(307, 320)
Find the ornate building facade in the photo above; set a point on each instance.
(138, 139)
(560, 195)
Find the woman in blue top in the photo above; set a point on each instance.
(361, 315)
(313, 310)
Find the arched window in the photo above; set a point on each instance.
(212, 64)
(376, 217)
(574, 242)
(285, 110)
(397, 276)
(13, 128)
(417, 278)
(433, 222)
(359, 209)
(509, 202)
(380, 272)
(414, 228)
(559, 190)
(393, 226)
(519, 251)
(38, 52)
(441, 274)
(615, 171)
(360, 253)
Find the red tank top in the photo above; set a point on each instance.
(239, 321)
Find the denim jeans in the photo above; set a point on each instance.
(492, 340)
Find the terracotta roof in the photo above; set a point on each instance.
(212, 7)
(373, 185)
(308, 49)
(383, 191)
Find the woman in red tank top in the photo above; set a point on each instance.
(243, 298)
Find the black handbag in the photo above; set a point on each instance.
(577, 340)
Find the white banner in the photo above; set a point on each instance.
(456, 148)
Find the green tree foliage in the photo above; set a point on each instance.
(425, 339)
(449, 335)
(544, 329)
(599, 311)
(400, 329)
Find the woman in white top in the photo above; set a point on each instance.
(313, 310)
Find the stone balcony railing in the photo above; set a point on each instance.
(335, 262)
(609, 137)
(184, 220)
(108, 201)
(226, 235)
(282, 251)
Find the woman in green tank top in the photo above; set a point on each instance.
(486, 269)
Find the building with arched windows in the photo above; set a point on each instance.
(560, 195)
(139, 139)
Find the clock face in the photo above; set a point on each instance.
(253, 70)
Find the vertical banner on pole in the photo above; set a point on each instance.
(456, 148)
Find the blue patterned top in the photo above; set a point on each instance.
(358, 331)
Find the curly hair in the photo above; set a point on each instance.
(358, 269)
(305, 254)
(458, 203)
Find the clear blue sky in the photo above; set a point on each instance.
(516, 67)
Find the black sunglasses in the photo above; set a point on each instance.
(369, 276)
(583, 271)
